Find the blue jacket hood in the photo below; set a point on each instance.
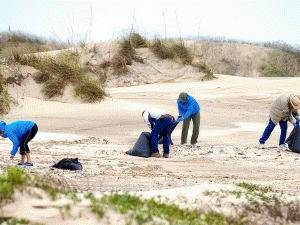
(2, 127)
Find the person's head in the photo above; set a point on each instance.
(294, 101)
(2, 128)
(182, 97)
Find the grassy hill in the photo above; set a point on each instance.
(133, 60)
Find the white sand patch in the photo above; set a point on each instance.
(259, 127)
(171, 87)
(54, 136)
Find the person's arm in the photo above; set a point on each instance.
(180, 111)
(14, 139)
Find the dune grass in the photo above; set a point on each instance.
(127, 53)
(262, 202)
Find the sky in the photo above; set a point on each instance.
(91, 20)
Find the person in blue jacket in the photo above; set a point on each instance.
(160, 124)
(20, 133)
(188, 109)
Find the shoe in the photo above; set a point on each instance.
(184, 145)
(261, 146)
(28, 164)
(282, 147)
(195, 145)
(156, 154)
(166, 155)
(19, 164)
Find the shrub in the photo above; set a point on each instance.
(119, 64)
(203, 67)
(4, 97)
(137, 40)
(90, 90)
(12, 178)
(280, 64)
(161, 49)
(54, 87)
(183, 53)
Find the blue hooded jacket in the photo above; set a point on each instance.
(189, 108)
(15, 131)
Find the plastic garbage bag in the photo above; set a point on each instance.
(68, 164)
(293, 140)
(142, 146)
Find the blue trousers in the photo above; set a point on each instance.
(270, 128)
(161, 128)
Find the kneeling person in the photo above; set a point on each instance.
(161, 124)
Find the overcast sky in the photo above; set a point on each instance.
(257, 21)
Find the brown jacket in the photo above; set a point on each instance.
(280, 110)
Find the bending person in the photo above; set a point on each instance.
(188, 109)
(160, 124)
(281, 111)
(20, 133)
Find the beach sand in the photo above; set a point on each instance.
(234, 113)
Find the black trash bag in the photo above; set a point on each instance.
(293, 140)
(161, 139)
(142, 146)
(68, 164)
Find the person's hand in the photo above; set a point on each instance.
(297, 118)
(12, 157)
(180, 119)
(295, 124)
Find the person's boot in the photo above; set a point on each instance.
(166, 155)
(156, 154)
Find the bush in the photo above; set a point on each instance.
(4, 97)
(161, 49)
(137, 40)
(12, 178)
(54, 87)
(90, 91)
(183, 53)
(280, 64)
(203, 67)
(119, 64)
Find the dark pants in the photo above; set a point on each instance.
(185, 128)
(270, 128)
(161, 128)
(26, 138)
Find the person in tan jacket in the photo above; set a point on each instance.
(283, 109)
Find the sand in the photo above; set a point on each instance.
(234, 113)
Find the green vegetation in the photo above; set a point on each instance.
(127, 53)
(15, 221)
(261, 201)
(57, 72)
(203, 67)
(15, 44)
(12, 179)
(162, 49)
(169, 49)
(281, 64)
(4, 97)
(149, 210)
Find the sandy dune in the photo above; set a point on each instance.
(234, 113)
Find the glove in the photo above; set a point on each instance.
(295, 124)
(297, 118)
(179, 119)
